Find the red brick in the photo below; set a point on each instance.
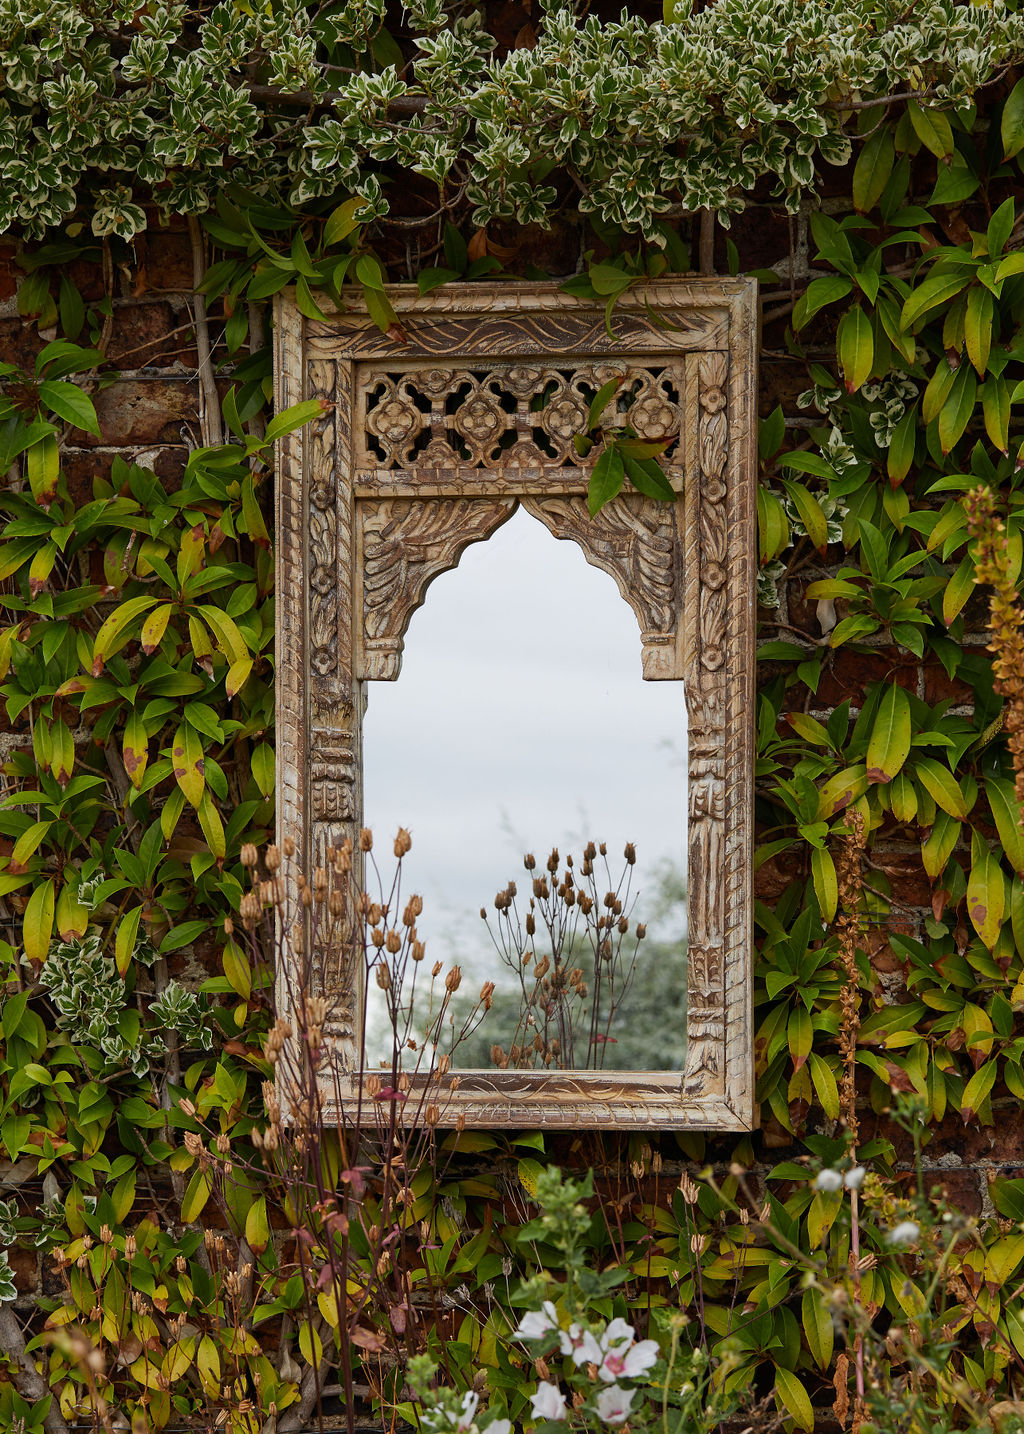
(163, 262)
(961, 1187)
(137, 412)
(851, 672)
(144, 337)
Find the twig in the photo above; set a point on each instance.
(209, 420)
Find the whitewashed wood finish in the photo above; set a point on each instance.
(428, 443)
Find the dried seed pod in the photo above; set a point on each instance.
(403, 842)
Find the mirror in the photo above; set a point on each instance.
(521, 724)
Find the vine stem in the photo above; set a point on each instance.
(209, 421)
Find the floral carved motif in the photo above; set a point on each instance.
(515, 415)
(405, 545)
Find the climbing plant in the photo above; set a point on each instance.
(136, 658)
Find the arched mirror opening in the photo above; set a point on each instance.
(520, 724)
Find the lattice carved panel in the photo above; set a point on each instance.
(428, 445)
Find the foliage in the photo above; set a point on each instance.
(135, 663)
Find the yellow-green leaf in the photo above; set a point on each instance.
(124, 941)
(792, 1397)
(938, 846)
(135, 748)
(212, 826)
(197, 1193)
(72, 917)
(932, 128)
(116, 631)
(856, 347)
(37, 926)
(1012, 121)
(842, 789)
(986, 897)
(978, 326)
(978, 1089)
(189, 766)
(155, 626)
(889, 745)
(1009, 819)
(826, 884)
(237, 676)
(257, 1228)
(958, 590)
(939, 782)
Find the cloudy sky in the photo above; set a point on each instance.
(520, 722)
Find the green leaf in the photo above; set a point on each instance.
(605, 480)
(819, 1326)
(69, 402)
(978, 326)
(958, 408)
(873, 168)
(889, 745)
(196, 1195)
(1011, 124)
(124, 942)
(995, 407)
(292, 418)
(135, 748)
(934, 293)
(932, 128)
(840, 790)
(940, 784)
(902, 445)
(938, 846)
(826, 883)
(369, 273)
(262, 765)
(601, 400)
(648, 477)
(1009, 819)
(257, 1226)
(958, 590)
(820, 292)
(856, 346)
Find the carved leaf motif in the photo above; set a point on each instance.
(406, 544)
(633, 539)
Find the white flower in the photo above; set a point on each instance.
(905, 1233)
(470, 1401)
(613, 1404)
(548, 1401)
(828, 1181)
(628, 1363)
(854, 1179)
(499, 1426)
(537, 1323)
(581, 1344)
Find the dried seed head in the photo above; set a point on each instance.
(272, 859)
(486, 994)
(373, 1086)
(365, 839)
(453, 980)
(383, 977)
(130, 1247)
(336, 904)
(437, 968)
(106, 1235)
(374, 913)
(393, 941)
(529, 861)
(413, 908)
(589, 851)
(603, 849)
(419, 950)
(377, 937)
(443, 1064)
(404, 1083)
(288, 847)
(432, 1115)
(553, 860)
(229, 926)
(641, 931)
(531, 925)
(498, 1057)
(630, 853)
(403, 842)
(460, 1122)
(622, 926)
(307, 897)
(249, 855)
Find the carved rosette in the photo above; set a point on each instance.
(406, 543)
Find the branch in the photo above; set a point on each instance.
(210, 409)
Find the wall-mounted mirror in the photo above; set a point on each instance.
(520, 726)
(442, 475)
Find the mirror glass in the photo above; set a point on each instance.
(520, 726)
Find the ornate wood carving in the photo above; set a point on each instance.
(426, 446)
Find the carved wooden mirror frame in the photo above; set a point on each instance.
(428, 442)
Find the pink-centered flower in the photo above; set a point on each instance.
(548, 1401)
(613, 1404)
